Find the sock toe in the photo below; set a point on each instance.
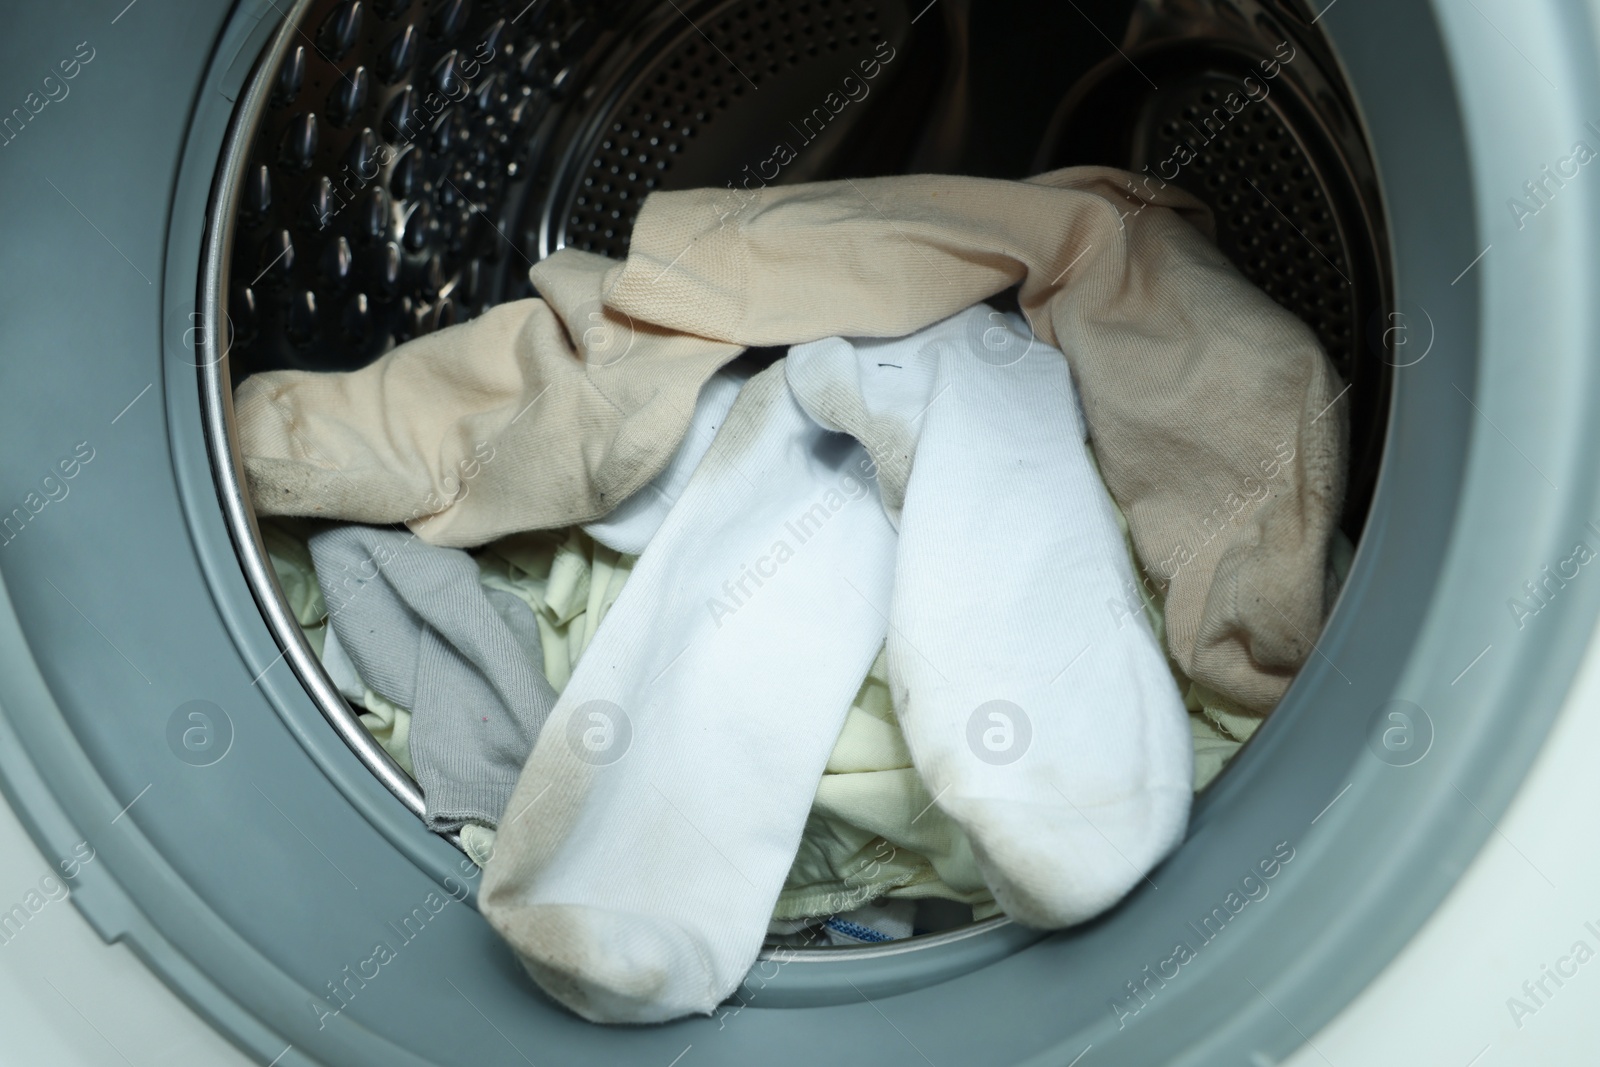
(1054, 865)
(610, 966)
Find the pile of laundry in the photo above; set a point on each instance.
(805, 585)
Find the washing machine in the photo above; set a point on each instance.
(203, 845)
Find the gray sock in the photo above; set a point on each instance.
(425, 634)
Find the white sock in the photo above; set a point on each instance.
(665, 799)
(629, 528)
(1047, 725)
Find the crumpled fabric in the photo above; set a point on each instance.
(873, 832)
(421, 629)
(1213, 410)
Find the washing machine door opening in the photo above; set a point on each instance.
(253, 844)
(393, 173)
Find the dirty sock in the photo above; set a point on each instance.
(630, 884)
(1047, 725)
(423, 632)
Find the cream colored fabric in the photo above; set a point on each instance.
(1212, 409)
(873, 830)
(499, 425)
(568, 579)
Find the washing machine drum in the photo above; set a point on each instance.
(203, 191)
